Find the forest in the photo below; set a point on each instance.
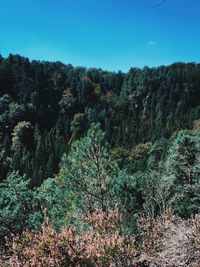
(99, 168)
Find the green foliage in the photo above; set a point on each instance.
(89, 172)
(60, 101)
(54, 196)
(21, 135)
(183, 159)
(186, 200)
(78, 125)
(156, 189)
(157, 153)
(67, 102)
(129, 198)
(17, 205)
(149, 165)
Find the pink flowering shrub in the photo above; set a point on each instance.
(101, 245)
(166, 241)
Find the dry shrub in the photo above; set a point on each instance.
(169, 241)
(101, 245)
(194, 240)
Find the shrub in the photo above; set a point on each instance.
(101, 245)
(170, 241)
(194, 238)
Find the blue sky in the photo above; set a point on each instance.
(110, 34)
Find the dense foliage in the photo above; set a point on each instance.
(45, 106)
(83, 146)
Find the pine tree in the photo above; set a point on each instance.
(88, 170)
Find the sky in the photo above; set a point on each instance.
(109, 34)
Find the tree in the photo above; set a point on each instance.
(22, 144)
(67, 102)
(22, 135)
(183, 159)
(78, 125)
(16, 205)
(53, 195)
(89, 172)
(186, 200)
(156, 189)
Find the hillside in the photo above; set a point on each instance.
(99, 169)
(44, 106)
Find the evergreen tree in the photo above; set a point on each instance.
(89, 172)
(183, 159)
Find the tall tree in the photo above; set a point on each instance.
(89, 172)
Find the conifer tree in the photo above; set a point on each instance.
(89, 172)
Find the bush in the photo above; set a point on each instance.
(170, 241)
(101, 245)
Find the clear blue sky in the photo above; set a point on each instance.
(111, 34)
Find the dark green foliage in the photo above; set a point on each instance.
(78, 125)
(184, 158)
(186, 200)
(59, 102)
(120, 135)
